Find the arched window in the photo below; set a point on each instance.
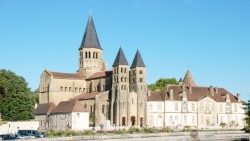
(121, 79)
(97, 55)
(122, 87)
(140, 72)
(121, 70)
(125, 70)
(80, 89)
(69, 89)
(75, 89)
(125, 87)
(86, 54)
(103, 109)
(93, 54)
(65, 89)
(61, 89)
(89, 55)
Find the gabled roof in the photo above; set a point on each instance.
(69, 107)
(198, 93)
(90, 38)
(100, 74)
(46, 108)
(156, 96)
(188, 79)
(61, 75)
(120, 58)
(138, 62)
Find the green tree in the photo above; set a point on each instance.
(161, 83)
(247, 119)
(16, 99)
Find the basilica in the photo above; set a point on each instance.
(120, 97)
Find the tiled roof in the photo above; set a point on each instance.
(60, 75)
(195, 94)
(100, 74)
(120, 58)
(90, 38)
(43, 109)
(138, 62)
(69, 107)
(156, 96)
(86, 96)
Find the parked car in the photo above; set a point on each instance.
(29, 134)
(9, 137)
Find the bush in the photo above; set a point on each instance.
(133, 130)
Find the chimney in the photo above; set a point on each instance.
(184, 96)
(171, 94)
(216, 90)
(238, 97)
(227, 98)
(149, 93)
(190, 89)
(211, 90)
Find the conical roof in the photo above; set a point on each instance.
(120, 58)
(90, 38)
(138, 62)
(188, 79)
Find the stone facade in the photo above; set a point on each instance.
(117, 96)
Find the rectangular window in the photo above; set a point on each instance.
(193, 108)
(141, 80)
(235, 109)
(193, 119)
(159, 107)
(170, 119)
(176, 107)
(150, 107)
(176, 118)
(78, 115)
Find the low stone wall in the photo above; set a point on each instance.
(12, 127)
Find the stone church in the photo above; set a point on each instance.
(117, 96)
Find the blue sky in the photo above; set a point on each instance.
(211, 38)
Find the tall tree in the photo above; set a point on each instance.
(16, 99)
(247, 119)
(161, 83)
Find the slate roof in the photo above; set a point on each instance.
(61, 75)
(46, 108)
(90, 38)
(100, 74)
(195, 94)
(120, 58)
(69, 107)
(138, 62)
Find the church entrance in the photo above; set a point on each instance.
(141, 121)
(133, 120)
(123, 121)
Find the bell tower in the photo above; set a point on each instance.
(120, 90)
(139, 86)
(90, 51)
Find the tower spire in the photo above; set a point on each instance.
(138, 62)
(90, 38)
(188, 79)
(120, 58)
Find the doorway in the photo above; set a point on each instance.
(133, 120)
